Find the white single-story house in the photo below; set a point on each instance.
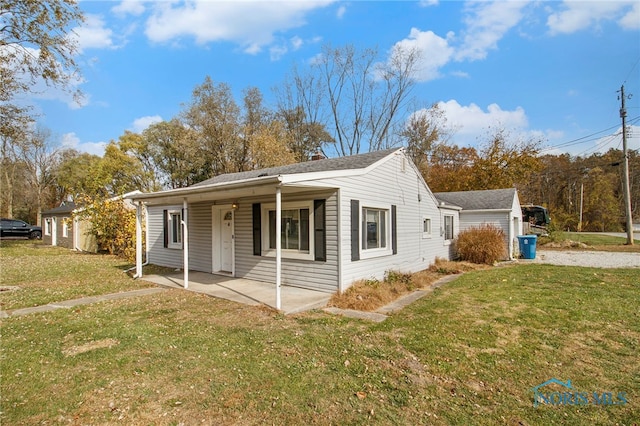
(321, 224)
(498, 207)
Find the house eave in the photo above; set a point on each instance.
(261, 186)
(487, 211)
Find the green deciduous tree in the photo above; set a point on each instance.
(113, 224)
(214, 117)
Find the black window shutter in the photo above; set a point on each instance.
(257, 232)
(165, 227)
(394, 237)
(355, 230)
(320, 233)
(181, 227)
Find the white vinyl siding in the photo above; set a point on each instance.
(158, 254)
(387, 185)
(306, 273)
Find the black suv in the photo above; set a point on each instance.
(18, 228)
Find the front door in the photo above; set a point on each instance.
(226, 240)
(222, 244)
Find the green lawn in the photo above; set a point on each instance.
(46, 274)
(596, 241)
(468, 353)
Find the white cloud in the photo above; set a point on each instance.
(277, 52)
(428, 3)
(296, 42)
(250, 24)
(577, 16)
(435, 52)
(129, 7)
(71, 140)
(631, 20)
(141, 124)
(341, 11)
(486, 23)
(93, 34)
(472, 122)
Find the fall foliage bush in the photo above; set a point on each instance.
(114, 226)
(482, 244)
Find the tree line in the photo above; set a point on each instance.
(345, 102)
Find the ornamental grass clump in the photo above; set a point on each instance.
(484, 244)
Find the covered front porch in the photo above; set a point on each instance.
(241, 290)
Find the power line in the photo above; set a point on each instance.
(585, 139)
(631, 70)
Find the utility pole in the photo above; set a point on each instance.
(625, 170)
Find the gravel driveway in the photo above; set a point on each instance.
(598, 259)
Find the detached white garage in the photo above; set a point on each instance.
(498, 207)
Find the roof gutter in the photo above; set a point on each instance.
(487, 211)
(192, 190)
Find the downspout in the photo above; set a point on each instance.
(185, 240)
(138, 240)
(278, 245)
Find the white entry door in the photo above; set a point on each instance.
(226, 240)
(222, 244)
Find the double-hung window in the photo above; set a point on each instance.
(374, 228)
(296, 236)
(65, 227)
(448, 227)
(174, 228)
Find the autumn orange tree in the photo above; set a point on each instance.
(113, 224)
(501, 162)
(564, 181)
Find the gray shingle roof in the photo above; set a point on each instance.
(490, 199)
(359, 161)
(66, 207)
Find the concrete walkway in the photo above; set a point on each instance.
(81, 301)
(294, 300)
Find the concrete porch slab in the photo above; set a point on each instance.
(248, 292)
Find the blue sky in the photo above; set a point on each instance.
(546, 69)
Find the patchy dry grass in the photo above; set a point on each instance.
(469, 353)
(38, 274)
(369, 295)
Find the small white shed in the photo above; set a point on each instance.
(498, 207)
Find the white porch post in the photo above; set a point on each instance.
(139, 239)
(278, 245)
(185, 242)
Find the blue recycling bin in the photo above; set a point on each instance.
(527, 244)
